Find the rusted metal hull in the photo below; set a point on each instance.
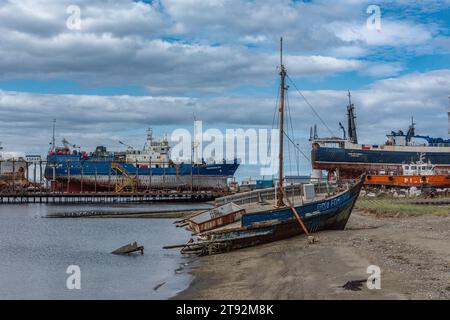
(105, 183)
(10, 182)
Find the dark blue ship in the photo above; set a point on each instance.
(346, 158)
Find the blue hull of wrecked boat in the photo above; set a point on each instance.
(277, 224)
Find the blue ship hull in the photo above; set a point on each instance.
(350, 156)
(353, 162)
(70, 173)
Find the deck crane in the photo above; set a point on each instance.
(68, 145)
(126, 145)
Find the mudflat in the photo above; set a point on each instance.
(413, 253)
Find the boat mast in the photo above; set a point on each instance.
(280, 194)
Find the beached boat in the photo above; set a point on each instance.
(260, 224)
(300, 209)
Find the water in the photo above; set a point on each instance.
(35, 253)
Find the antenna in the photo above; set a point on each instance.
(449, 115)
(281, 51)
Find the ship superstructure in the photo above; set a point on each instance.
(154, 152)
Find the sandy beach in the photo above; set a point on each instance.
(412, 252)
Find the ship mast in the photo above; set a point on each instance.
(280, 193)
(53, 135)
(449, 115)
(352, 136)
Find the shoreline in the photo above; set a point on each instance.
(169, 214)
(172, 214)
(403, 248)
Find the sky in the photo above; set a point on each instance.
(129, 65)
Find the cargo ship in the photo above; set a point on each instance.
(132, 170)
(343, 157)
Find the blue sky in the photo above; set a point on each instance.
(138, 64)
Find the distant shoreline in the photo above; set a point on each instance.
(169, 214)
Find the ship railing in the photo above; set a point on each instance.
(269, 194)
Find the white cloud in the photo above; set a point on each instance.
(206, 48)
(392, 33)
(383, 69)
(25, 118)
(222, 43)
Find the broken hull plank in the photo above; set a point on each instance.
(129, 248)
(216, 217)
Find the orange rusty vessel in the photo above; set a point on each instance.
(418, 174)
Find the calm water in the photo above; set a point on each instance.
(35, 253)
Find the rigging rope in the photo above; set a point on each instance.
(275, 113)
(288, 121)
(297, 147)
(297, 162)
(310, 105)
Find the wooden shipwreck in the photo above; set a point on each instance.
(294, 210)
(129, 248)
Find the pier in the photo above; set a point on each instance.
(106, 197)
(26, 182)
